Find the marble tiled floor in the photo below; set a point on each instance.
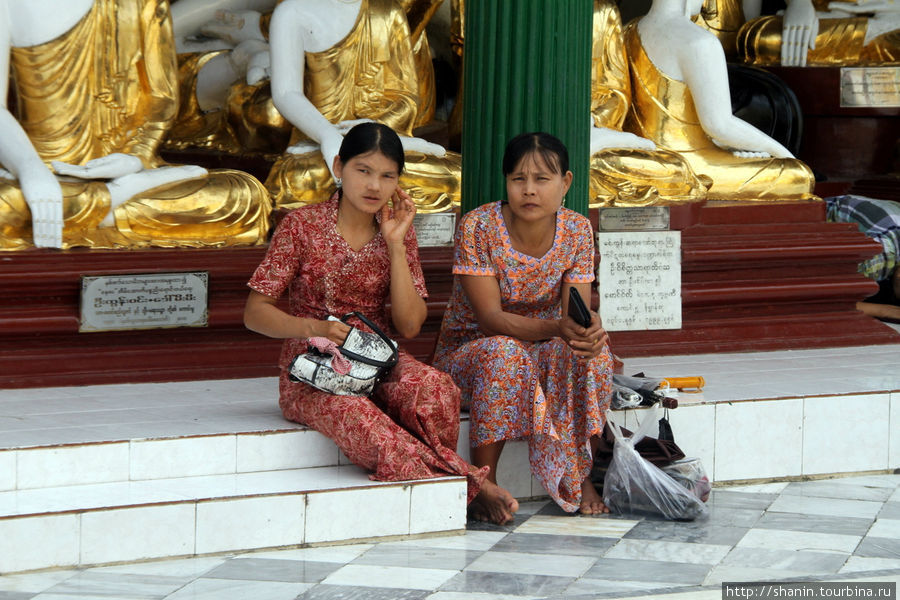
(837, 530)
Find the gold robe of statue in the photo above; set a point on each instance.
(840, 42)
(663, 110)
(107, 86)
(628, 177)
(723, 18)
(370, 74)
(250, 123)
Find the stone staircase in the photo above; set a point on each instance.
(119, 501)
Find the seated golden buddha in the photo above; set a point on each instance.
(686, 108)
(234, 112)
(358, 65)
(627, 170)
(94, 98)
(853, 33)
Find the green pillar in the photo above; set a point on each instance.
(527, 67)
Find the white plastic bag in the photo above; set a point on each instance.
(635, 486)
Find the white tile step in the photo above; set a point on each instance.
(102, 523)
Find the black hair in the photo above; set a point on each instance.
(550, 148)
(370, 137)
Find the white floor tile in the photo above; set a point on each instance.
(246, 523)
(577, 525)
(834, 427)
(834, 507)
(532, 564)
(758, 439)
(7, 470)
(338, 554)
(885, 528)
(332, 516)
(217, 589)
(799, 540)
(21, 553)
(389, 577)
(137, 533)
(438, 506)
(708, 554)
(68, 465)
(286, 450)
(163, 459)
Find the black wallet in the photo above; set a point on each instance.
(577, 309)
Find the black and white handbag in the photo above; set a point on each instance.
(371, 357)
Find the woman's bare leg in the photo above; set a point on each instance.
(493, 503)
(591, 502)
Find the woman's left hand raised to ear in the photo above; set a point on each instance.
(394, 226)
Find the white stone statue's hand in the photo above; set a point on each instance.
(798, 36)
(603, 138)
(414, 144)
(251, 54)
(259, 67)
(45, 201)
(866, 6)
(234, 27)
(106, 167)
(344, 126)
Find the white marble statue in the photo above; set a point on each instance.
(215, 25)
(114, 139)
(301, 26)
(687, 53)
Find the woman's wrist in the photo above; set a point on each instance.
(397, 251)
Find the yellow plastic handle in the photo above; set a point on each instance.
(681, 383)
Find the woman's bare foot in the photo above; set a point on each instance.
(591, 502)
(493, 504)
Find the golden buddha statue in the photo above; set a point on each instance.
(681, 101)
(226, 98)
(95, 95)
(358, 65)
(722, 18)
(853, 33)
(627, 170)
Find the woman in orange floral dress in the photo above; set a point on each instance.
(526, 370)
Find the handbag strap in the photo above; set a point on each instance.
(390, 362)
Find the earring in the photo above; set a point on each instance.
(338, 181)
(564, 200)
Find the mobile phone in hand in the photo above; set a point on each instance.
(578, 311)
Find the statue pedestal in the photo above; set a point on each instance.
(841, 141)
(40, 344)
(754, 277)
(766, 276)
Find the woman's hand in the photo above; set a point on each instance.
(336, 331)
(395, 226)
(584, 342)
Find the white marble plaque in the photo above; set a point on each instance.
(640, 280)
(634, 218)
(870, 87)
(147, 301)
(435, 229)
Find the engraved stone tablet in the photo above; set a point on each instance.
(637, 218)
(150, 301)
(435, 229)
(870, 87)
(640, 280)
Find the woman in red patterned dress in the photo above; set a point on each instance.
(353, 253)
(527, 371)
